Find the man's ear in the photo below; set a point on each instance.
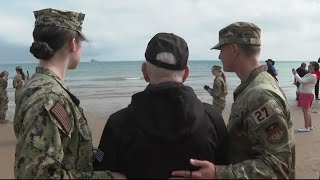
(235, 49)
(145, 72)
(186, 73)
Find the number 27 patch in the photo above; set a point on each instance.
(262, 114)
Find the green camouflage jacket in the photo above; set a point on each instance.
(53, 137)
(219, 92)
(260, 129)
(3, 98)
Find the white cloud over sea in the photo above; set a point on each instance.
(120, 30)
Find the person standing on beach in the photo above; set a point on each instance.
(316, 87)
(18, 82)
(301, 72)
(3, 96)
(306, 96)
(271, 68)
(219, 89)
(166, 123)
(53, 137)
(261, 140)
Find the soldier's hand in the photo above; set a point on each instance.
(206, 171)
(116, 175)
(206, 87)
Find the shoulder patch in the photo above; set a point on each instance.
(262, 114)
(60, 113)
(275, 133)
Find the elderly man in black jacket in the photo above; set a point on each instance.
(166, 124)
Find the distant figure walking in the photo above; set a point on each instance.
(271, 68)
(18, 82)
(219, 89)
(302, 72)
(306, 95)
(3, 96)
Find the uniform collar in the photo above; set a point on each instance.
(47, 72)
(247, 81)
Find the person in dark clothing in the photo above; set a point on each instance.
(165, 124)
(301, 71)
(271, 69)
(316, 88)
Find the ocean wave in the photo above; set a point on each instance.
(94, 79)
(133, 78)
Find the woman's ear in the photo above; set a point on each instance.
(73, 45)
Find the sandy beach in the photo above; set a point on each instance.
(97, 111)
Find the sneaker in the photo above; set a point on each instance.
(311, 128)
(304, 130)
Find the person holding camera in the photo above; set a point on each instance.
(306, 95)
(219, 89)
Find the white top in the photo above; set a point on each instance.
(307, 83)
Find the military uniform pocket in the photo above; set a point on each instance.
(84, 129)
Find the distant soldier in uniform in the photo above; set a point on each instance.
(18, 82)
(3, 96)
(53, 137)
(219, 89)
(260, 127)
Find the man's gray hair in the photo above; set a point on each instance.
(159, 75)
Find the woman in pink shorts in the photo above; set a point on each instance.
(306, 96)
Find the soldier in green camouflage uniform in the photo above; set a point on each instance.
(260, 127)
(219, 89)
(3, 96)
(53, 136)
(18, 82)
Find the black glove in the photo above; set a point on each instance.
(206, 87)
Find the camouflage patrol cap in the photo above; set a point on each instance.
(65, 19)
(239, 33)
(216, 67)
(18, 68)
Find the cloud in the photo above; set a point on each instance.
(120, 30)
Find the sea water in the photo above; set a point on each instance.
(124, 78)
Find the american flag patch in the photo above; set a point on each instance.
(60, 113)
(99, 155)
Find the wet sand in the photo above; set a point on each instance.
(97, 111)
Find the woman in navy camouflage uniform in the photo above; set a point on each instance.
(53, 137)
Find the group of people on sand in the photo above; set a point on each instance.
(166, 131)
(18, 81)
(307, 82)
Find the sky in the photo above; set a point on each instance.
(119, 30)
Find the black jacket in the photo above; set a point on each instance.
(164, 126)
